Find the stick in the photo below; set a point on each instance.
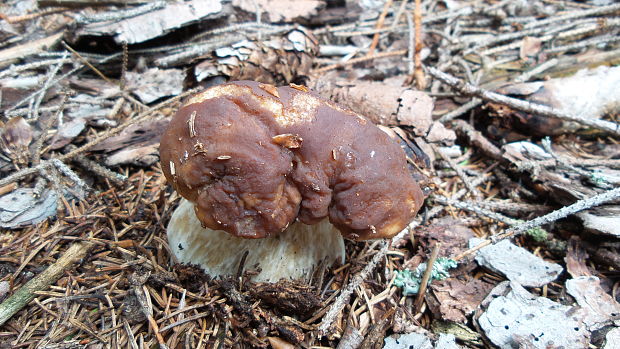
(30, 16)
(420, 79)
(343, 298)
(427, 275)
(522, 105)
(578, 206)
(459, 171)
(360, 60)
(41, 282)
(375, 38)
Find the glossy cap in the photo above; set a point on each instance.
(253, 158)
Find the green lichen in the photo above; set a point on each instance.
(538, 234)
(410, 280)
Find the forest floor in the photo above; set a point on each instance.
(508, 112)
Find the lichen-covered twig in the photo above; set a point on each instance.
(537, 70)
(26, 293)
(459, 171)
(35, 110)
(31, 16)
(477, 139)
(578, 206)
(120, 14)
(346, 292)
(475, 102)
(101, 171)
(38, 144)
(594, 11)
(475, 209)
(587, 28)
(525, 106)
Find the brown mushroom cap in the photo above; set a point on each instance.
(253, 158)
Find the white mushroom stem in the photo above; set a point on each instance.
(292, 254)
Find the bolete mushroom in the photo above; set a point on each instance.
(283, 174)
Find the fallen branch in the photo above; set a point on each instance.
(522, 105)
(41, 282)
(566, 211)
(420, 79)
(343, 298)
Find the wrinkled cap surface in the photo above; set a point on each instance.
(254, 157)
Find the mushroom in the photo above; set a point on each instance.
(283, 174)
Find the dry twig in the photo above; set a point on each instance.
(528, 107)
(427, 276)
(26, 293)
(564, 212)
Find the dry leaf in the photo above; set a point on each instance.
(15, 137)
(530, 47)
(448, 231)
(458, 299)
(576, 258)
(279, 343)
